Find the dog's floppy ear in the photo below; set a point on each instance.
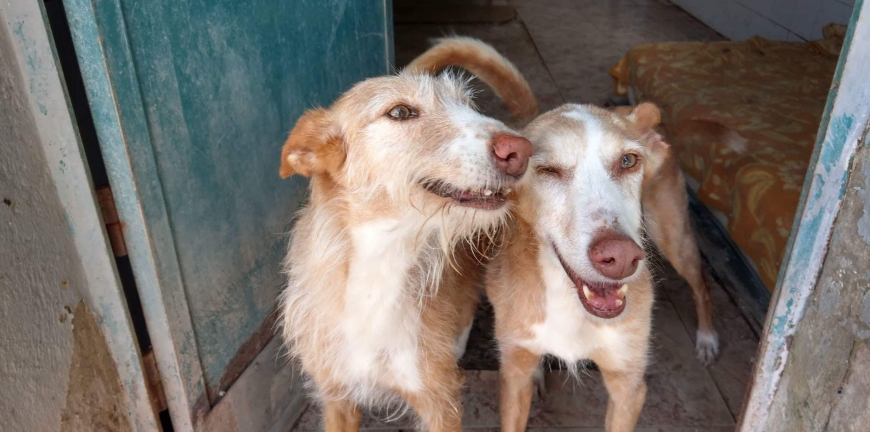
(657, 152)
(313, 147)
(647, 117)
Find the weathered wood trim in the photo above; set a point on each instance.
(245, 355)
(100, 38)
(267, 396)
(842, 126)
(68, 166)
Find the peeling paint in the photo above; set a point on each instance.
(69, 223)
(830, 298)
(864, 314)
(864, 222)
(33, 64)
(859, 332)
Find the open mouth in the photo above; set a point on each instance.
(484, 199)
(602, 299)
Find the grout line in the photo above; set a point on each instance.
(540, 55)
(692, 338)
(747, 7)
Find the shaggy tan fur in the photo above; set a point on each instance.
(383, 274)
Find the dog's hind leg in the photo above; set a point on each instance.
(516, 385)
(667, 216)
(540, 380)
(465, 322)
(438, 411)
(438, 403)
(340, 416)
(680, 249)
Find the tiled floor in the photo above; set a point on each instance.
(564, 48)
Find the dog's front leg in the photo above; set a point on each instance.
(516, 385)
(627, 391)
(340, 416)
(438, 404)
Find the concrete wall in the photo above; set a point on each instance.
(54, 364)
(826, 383)
(793, 20)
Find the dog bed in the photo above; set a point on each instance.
(771, 94)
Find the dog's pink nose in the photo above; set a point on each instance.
(511, 154)
(615, 255)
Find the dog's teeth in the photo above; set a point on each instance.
(586, 292)
(487, 192)
(622, 291)
(618, 302)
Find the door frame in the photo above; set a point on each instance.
(99, 34)
(843, 126)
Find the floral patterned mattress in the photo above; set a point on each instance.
(772, 95)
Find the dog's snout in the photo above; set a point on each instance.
(511, 154)
(615, 255)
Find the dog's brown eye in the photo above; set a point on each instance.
(550, 170)
(400, 112)
(628, 161)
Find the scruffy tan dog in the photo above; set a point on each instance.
(382, 271)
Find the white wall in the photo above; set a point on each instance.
(40, 275)
(792, 20)
(65, 335)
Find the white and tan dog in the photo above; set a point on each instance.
(664, 197)
(570, 277)
(382, 272)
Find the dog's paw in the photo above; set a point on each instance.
(540, 382)
(707, 347)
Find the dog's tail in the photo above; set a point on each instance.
(487, 64)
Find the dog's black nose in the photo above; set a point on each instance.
(511, 154)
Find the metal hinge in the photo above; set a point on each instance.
(113, 224)
(115, 229)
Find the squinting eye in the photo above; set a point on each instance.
(400, 112)
(628, 161)
(550, 170)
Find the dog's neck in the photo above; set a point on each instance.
(394, 250)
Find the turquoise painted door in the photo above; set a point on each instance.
(192, 101)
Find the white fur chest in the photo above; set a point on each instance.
(568, 331)
(381, 320)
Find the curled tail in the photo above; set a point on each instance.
(487, 64)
